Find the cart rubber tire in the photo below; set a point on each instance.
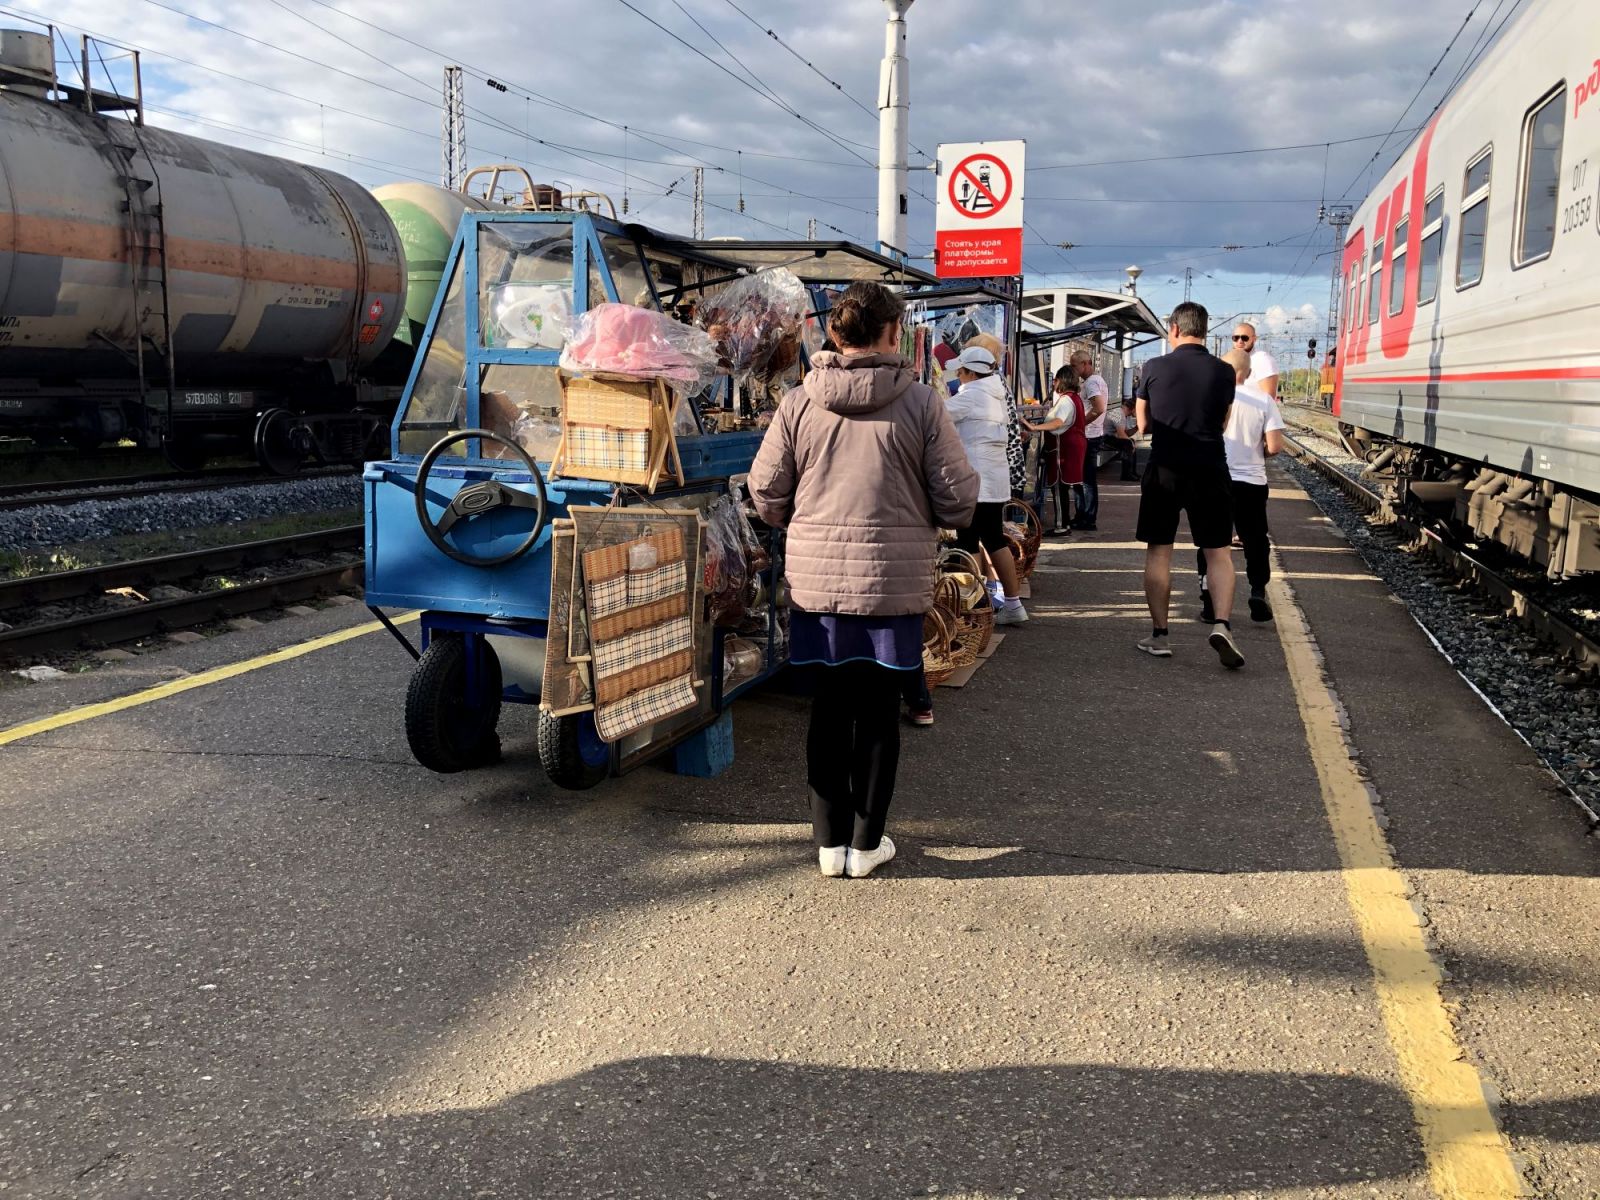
(570, 751)
(443, 735)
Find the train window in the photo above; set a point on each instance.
(1541, 177)
(1397, 267)
(1374, 281)
(1431, 251)
(1474, 220)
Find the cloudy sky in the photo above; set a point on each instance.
(627, 96)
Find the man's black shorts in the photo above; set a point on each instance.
(1204, 493)
(987, 529)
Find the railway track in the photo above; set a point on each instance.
(146, 617)
(1422, 537)
(25, 495)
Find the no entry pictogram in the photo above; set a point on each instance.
(980, 186)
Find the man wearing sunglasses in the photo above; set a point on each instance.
(1263, 370)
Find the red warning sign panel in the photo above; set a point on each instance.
(979, 209)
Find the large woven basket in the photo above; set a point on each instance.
(975, 610)
(938, 642)
(1023, 527)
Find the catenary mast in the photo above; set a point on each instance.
(894, 130)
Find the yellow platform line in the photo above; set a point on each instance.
(1468, 1156)
(188, 683)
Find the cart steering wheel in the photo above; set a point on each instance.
(482, 497)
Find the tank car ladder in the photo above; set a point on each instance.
(147, 270)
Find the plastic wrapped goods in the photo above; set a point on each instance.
(755, 322)
(530, 316)
(642, 343)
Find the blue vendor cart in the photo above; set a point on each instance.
(465, 522)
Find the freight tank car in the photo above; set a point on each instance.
(182, 292)
(1468, 355)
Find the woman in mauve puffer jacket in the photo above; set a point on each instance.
(863, 467)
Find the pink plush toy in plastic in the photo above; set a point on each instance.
(641, 342)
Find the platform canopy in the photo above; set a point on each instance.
(814, 262)
(1070, 314)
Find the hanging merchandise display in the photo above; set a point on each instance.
(755, 322)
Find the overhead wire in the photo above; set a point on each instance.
(535, 97)
(1421, 87)
(771, 97)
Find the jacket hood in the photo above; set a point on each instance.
(860, 383)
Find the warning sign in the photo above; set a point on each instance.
(375, 311)
(979, 219)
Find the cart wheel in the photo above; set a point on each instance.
(447, 735)
(571, 752)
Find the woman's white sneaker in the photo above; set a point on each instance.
(1011, 613)
(864, 862)
(831, 860)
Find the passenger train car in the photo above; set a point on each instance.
(1471, 275)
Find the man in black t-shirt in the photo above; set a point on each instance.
(1183, 404)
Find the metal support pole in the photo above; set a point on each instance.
(454, 170)
(138, 90)
(1339, 216)
(88, 81)
(699, 203)
(894, 131)
(811, 230)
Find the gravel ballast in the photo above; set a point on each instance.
(54, 524)
(1554, 709)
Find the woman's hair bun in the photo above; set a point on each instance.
(862, 313)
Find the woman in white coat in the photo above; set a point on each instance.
(979, 411)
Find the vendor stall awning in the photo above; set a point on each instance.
(1062, 314)
(813, 262)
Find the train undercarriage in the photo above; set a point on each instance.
(1542, 521)
(284, 431)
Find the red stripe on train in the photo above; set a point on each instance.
(1484, 376)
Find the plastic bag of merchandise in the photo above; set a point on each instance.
(640, 342)
(755, 322)
(530, 316)
(727, 569)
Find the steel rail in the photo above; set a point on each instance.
(1583, 649)
(143, 573)
(152, 617)
(74, 491)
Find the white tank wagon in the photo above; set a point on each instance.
(178, 289)
(1468, 358)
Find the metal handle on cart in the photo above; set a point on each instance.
(482, 497)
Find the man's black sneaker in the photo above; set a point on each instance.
(1208, 615)
(1260, 610)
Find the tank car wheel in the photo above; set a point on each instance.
(571, 752)
(281, 442)
(446, 732)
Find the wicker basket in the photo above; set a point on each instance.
(937, 643)
(975, 618)
(1023, 526)
(617, 429)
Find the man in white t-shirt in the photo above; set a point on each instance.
(1263, 369)
(1254, 433)
(1094, 392)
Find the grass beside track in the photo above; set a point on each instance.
(19, 564)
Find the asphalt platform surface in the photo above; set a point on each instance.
(250, 948)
